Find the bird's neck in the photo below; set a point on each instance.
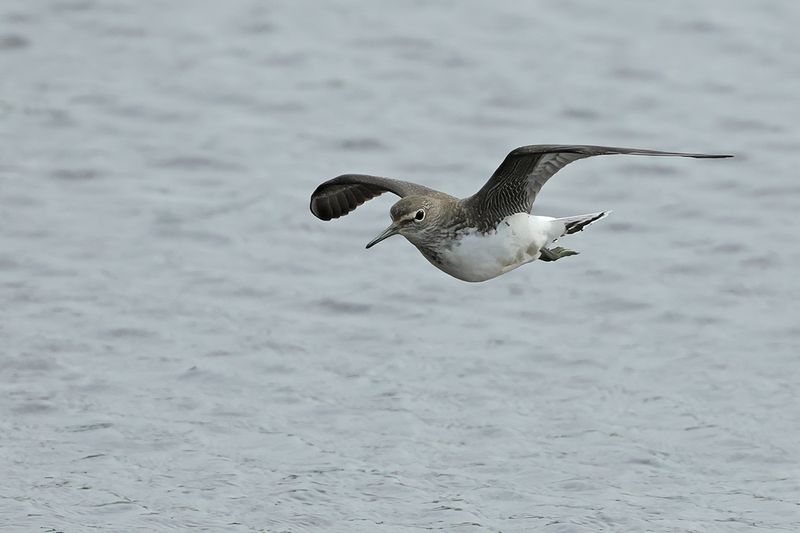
(443, 234)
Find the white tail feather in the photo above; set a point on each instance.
(570, 225)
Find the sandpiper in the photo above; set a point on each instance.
(487, 234)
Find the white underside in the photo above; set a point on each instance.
(517, 240)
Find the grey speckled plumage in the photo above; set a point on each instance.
(512, 188)
(517, 181)
(436, 222)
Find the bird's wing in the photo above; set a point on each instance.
(338, 196)
(516, 182)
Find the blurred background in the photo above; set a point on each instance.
(184, 346)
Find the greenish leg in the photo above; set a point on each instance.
(555, 254)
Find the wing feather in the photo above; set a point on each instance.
(517, 181)
(341, 195)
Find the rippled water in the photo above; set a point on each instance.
(184, 346)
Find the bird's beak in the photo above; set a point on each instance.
(394, 229)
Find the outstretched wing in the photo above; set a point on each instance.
(516, 182)
(340, 195)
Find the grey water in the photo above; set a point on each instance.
(183, 346)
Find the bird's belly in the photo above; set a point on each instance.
(476, 256)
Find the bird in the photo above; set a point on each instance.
(487, 234)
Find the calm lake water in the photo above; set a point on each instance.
(183, 346)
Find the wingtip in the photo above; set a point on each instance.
(321, 211)
(312, 207)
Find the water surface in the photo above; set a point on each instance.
(183, 346)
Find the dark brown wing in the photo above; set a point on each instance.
(340, 195)
(516, 182)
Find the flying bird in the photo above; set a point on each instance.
(489, 233)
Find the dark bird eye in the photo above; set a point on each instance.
(420, 215)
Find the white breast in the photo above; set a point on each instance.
(478, 256)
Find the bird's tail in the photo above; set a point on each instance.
(570, 225)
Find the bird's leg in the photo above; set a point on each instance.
(555, 254)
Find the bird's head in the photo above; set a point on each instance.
(413, 217)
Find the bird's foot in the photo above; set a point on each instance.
(554, 254)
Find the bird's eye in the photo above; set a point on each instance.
(420, 215)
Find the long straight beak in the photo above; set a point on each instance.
(388, 232)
